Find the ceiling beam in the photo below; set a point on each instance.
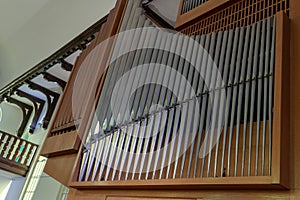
(26, 110)
(66, 65)
(38, 105)
(51, 78)
(52, 99)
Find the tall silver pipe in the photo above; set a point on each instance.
(253, 88)
(225, 105)
(247, 93)
(265, 97)
(259, 93)
(230, 94)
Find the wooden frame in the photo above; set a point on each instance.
(279, 175)
(280, 143)
(75, 133)
(183, 19)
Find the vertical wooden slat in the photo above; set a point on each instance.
(280, 142)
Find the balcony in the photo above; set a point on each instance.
(16, 154)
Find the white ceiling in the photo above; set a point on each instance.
(32, 30)
(18, 13)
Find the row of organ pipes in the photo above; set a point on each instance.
(189, 5)
(175, 106)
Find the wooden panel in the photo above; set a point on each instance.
(196, 183)
(236, 14)
(281, 127)
(294, 95)
(60, 167)
(12, 167)
(61, 144)
(141, 198)
(191, 194)
(183, 19)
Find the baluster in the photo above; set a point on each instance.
(15, 147)
(20, 151)
(25, 153)
(8, 146)
(31, 154)
(3, 144)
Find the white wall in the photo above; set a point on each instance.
(47, 189)
(15, 189)
(4, 187)
(11, 118)
(44, 29)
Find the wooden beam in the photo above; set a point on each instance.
(194, 14)
(51, 78)
(66, 66)
(52, 99)
(38, 107)
(281, 122)
(26, 110)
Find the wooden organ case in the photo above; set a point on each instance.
(202, 107)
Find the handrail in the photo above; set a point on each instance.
(16, 154)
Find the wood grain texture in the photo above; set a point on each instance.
(197, 12)
(294, 162)
(186, 194)
(60, 167)
(280, 156)
(61, 144)
(295, 95)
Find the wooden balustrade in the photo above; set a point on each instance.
(16, 154)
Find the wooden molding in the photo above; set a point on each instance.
(263, 182)
(63, 144)
(280, 143)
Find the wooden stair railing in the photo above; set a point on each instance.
(16, 154)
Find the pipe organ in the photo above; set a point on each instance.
(174, 106)
(200, 106)
(191, 4)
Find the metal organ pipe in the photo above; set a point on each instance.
(167, 125)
